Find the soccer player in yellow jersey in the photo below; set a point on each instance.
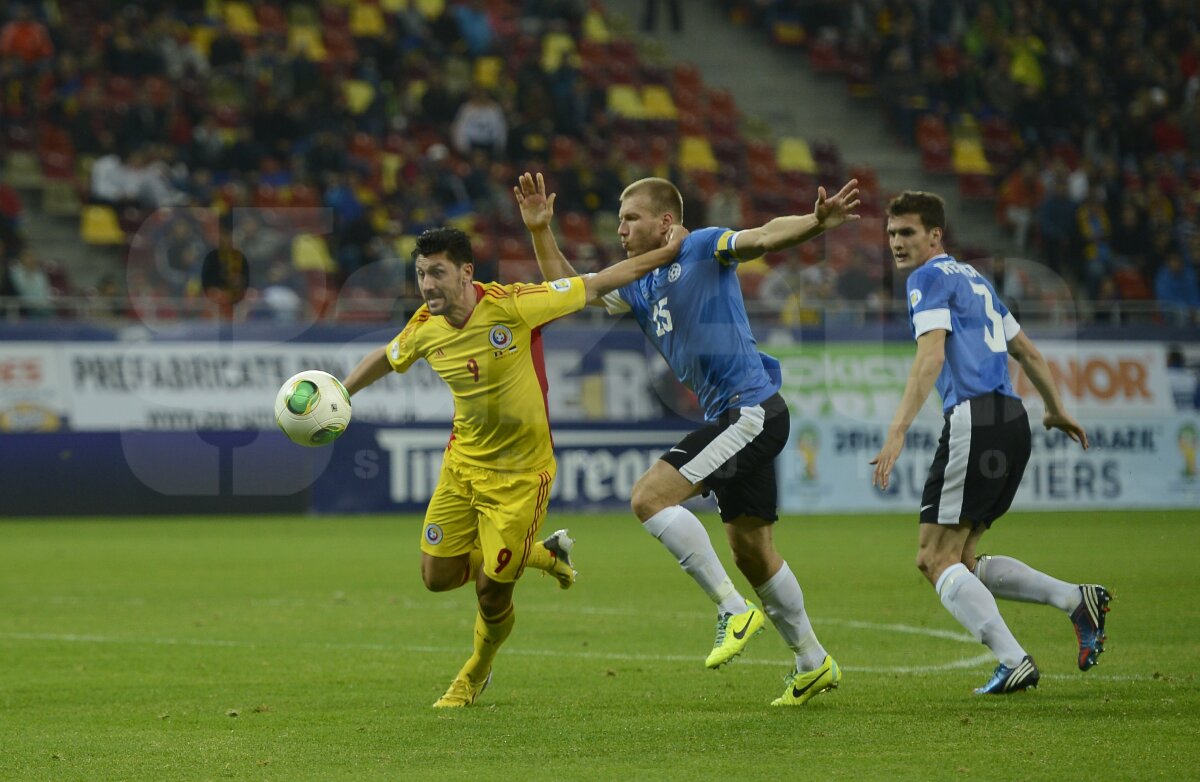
(484, 340)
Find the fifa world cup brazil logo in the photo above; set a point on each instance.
(1187, 447)
(807, 446)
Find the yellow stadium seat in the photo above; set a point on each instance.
(98, 224)
(624, 100)
(695, 153)
(23, 170)
(389, 170)
(305, 40)
(404, 246)
(556, 47)
(358, 94)
(487, 72)
(310, 253)
(430, 9)
(658, 103)
(202, 38)
(793, 154)
(239, 17)
(366, 21)
(969, 157)
(595, 29)
(60, 199)
(393, 6)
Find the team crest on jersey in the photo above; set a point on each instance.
(500, 336)
(433, 534)
(674, 272)
(914, 298)
(562, 286)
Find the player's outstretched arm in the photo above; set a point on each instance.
(783, 232)
(931, 354)
(537, 211)
(621, 274)
(1037, 370)
(374, 366)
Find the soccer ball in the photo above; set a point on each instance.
(312, 408)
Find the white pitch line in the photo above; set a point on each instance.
(512, 650)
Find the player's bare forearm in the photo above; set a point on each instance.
(777, 234)
(783, 232)
(552, 263)
(374, 366)
(926, 367)
(1037, 370)
(621, 274)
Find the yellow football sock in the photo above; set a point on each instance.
(490, 633)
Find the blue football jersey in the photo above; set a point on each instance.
(946, 294)
(692, 311)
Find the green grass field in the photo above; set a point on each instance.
(223, 648)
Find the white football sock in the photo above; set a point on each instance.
(783, 602)
(681, 532)
(1012, 579)
(970, 602)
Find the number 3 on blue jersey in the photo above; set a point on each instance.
(993, 337)
(662, 317)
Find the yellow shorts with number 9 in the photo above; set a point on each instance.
(498, 512)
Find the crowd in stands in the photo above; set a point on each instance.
(335, 131)
(1081, 119)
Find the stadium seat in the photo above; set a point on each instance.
(976, 186)
(594, 27)
(1132, 285)
(794, 154)
(60, 198)
(968, 157)
(658, 103)
(625, 101)
(695, 153)
(366, 21)
(99, 225)
(240, 19)
(23, 170)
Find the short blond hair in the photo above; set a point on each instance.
(663, 196)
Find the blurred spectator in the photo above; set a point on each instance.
(225, 274)
(179, 257)
(11, 210)
(1019, 195)
(25, 39)
(1175, 287)
(480, 123)
(1096, 234)
(475, 26)
(1056, 223)
(725, 207)
(281, 295)
(31, 284)
(650, 15)
(112, 180)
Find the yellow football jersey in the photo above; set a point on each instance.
(495, 369)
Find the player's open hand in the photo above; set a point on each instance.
(537, 209)
(840, 208)
(885, 460)
(675, 237)
(1066, 424)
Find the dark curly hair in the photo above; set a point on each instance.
(451, 241)
(928, 206)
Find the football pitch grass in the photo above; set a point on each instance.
(306, 648)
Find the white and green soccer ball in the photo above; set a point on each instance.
(312, 408)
